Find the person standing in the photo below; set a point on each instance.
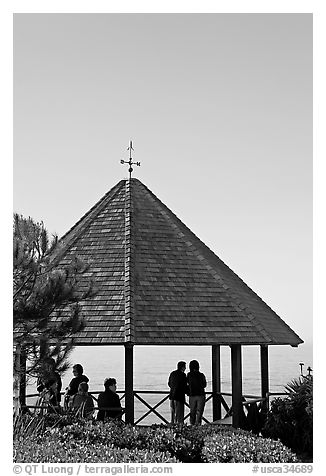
(178, 389)
(48, 398)
(196, 383)
(48, 374)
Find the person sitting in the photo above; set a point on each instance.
(49, 373)
(108, 401)
(82, 403)
(72, 388)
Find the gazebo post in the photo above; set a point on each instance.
(236, 384)
(129, 383)
(264, 374)
(44, 348)
(19, 378)
(22, 374)
(216, 381)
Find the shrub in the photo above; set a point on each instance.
(291, 419)
(79, 452)
(158, 438)
(78, 441)
(244, 448)
(189, 440)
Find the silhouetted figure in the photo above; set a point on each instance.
(82, 403)
(48, 374)
(72, 388)
(178, 389)
(108, 401)
(48, 398)
(77, 371)
(196, 383)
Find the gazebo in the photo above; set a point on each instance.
(158, 284)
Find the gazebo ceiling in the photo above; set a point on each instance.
(157, 283)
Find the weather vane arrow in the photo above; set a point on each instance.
(130, 162)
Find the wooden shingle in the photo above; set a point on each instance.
(157, 283)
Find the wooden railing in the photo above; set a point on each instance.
(152, 408)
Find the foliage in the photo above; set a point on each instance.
(244, 448)
(291, 419)
(40, 290)
(27, 425)
(77, 452)
(67, 439)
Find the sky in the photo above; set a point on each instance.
(219, 108)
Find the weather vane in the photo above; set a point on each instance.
(130, 162)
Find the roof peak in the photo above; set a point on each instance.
(158, 282)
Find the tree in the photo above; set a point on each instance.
(41, 290)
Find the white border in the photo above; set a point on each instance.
(99, 6)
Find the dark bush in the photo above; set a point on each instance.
(291, 419)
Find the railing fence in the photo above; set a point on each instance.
(158, 410)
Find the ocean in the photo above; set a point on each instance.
(152, 366)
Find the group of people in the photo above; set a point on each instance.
(193, 384)
(76, 397)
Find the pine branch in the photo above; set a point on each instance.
(41, 292)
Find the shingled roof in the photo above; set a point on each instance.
(157, 283)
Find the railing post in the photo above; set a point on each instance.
(236, 385)
(129, 383)
(264, 375)
(216, 381)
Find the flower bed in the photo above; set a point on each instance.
(97, 442)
